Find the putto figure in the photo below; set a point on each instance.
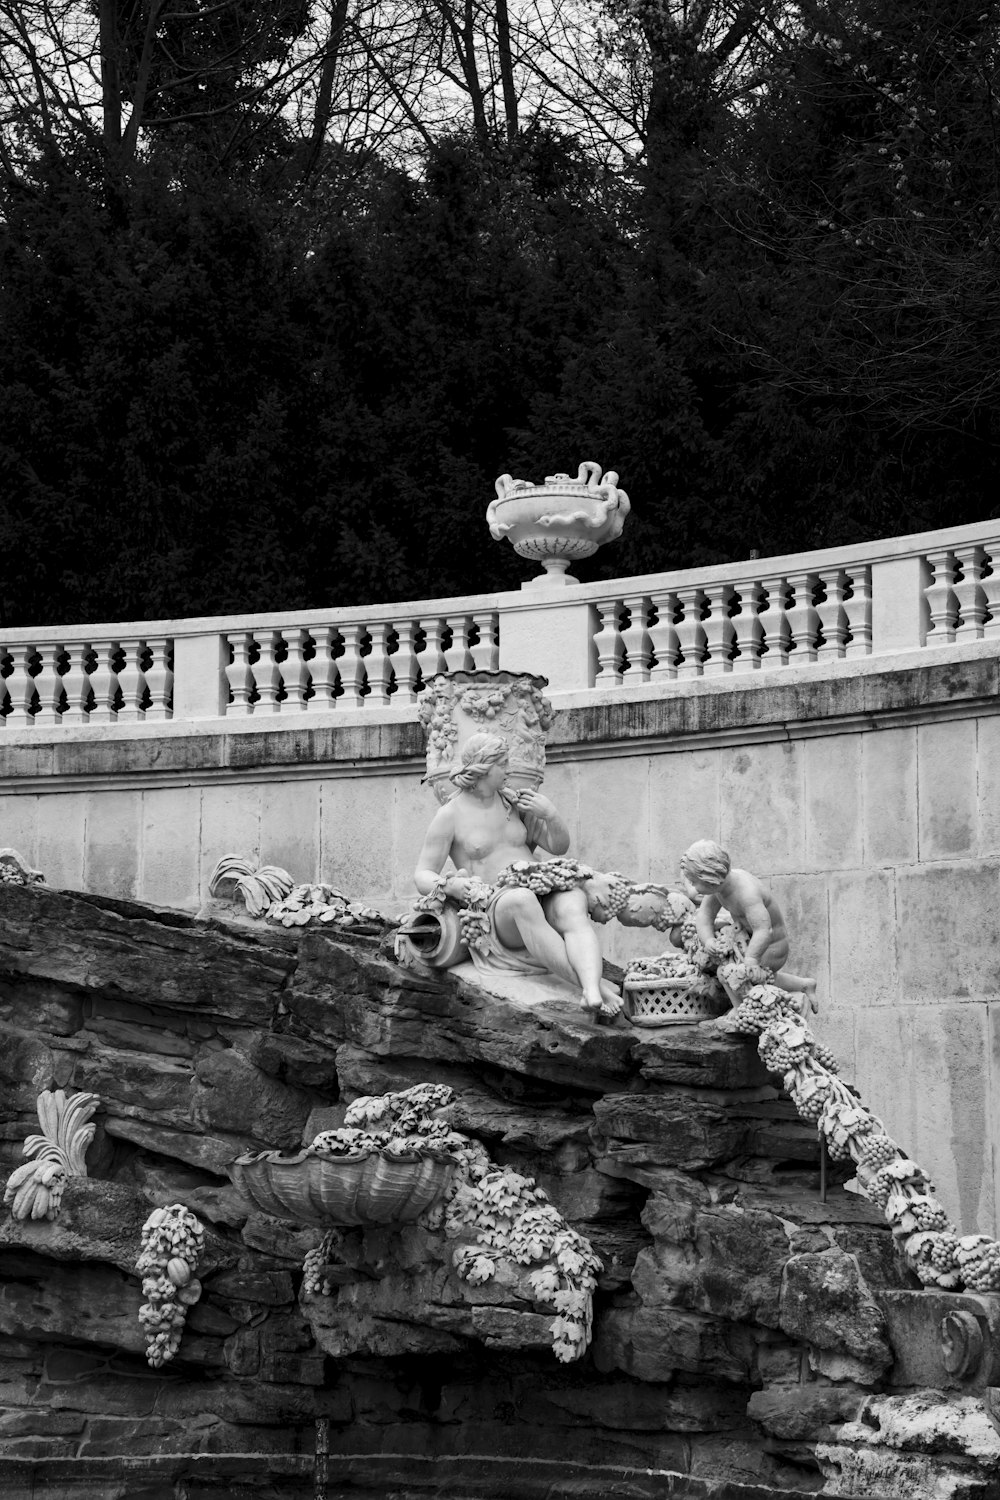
(524, 914)
(761, 934)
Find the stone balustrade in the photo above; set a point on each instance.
(811, 608)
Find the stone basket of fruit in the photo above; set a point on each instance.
(668, 991)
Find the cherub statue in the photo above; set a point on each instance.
(761, 934)
(524, 924)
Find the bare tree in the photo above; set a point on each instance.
(386, 77)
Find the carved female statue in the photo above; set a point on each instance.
(486, 828)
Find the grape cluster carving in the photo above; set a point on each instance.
(172, 1244)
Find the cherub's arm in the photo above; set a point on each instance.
(704, 920)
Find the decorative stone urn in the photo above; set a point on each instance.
(457, 705)
(560, 520)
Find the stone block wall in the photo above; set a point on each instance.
(867, 795)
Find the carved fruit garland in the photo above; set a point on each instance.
(172, 1244)
(886, 1175)
(499, 1217)
(35, 1190)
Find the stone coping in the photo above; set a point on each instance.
(708, 712)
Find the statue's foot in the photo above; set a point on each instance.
(611, 1000)
(807, 999)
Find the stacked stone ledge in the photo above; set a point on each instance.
(742, 1326)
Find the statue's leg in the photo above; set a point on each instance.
(567, 911)
(798, 984)
(795, 984)
(521, 923)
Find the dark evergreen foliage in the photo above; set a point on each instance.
(221, 392)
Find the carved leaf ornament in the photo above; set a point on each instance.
(270, 892)
(35, 1190)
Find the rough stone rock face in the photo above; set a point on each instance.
(738, 1335)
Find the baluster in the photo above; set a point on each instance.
(690, 633)
(636, 641)
(802, 617)
(432, 657)
(76, 684)
(239, 673)
(322, 668)
(991, 591)
(159, 678)
(719, 630)
(663, 638)
(458, 656)
(969, 595)
(774, 620)
(132, 681)
(748, 632)
(104, 681)
(267, 673)
(48, 685)
(405, 662)
(4, 695)
(379, 665)
(858, 610)
(608, 641)
(833, 616)
(351, 665)
(486, 651)
(941, 602)
(294, 673)
(21, 686)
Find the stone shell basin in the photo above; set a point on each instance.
(363, 1188)
(560, 520)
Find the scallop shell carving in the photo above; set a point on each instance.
(369, 1188)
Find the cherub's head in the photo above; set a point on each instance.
(705, 866)
(481, 755)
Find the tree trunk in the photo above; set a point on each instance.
(324, 94)
(506, 62)
(131, 135)
(111, 94)
(464, 39)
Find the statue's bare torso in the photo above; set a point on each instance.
(483, 833)
(485, 840)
